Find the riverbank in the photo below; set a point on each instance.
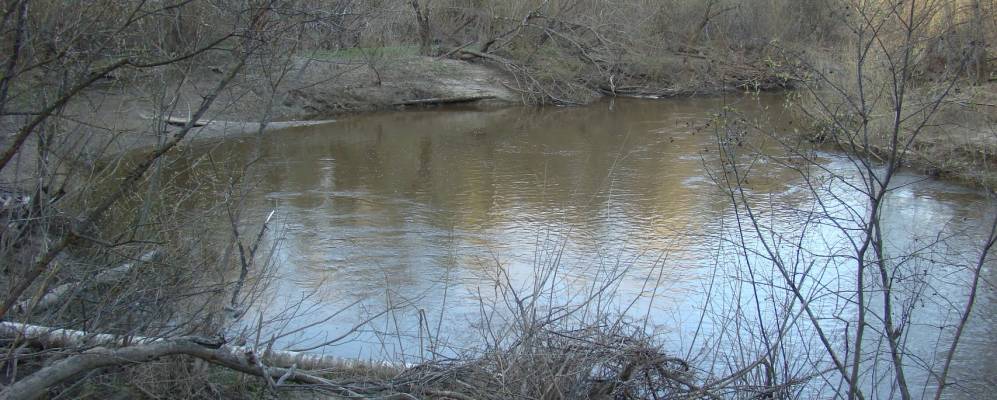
(139, 109)
(319, 87)
(961, 143)
(958, 143)
(308, 90)
(129, 112)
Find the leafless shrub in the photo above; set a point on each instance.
(836, 299)
(101, 241)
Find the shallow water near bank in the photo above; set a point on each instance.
(422, 210)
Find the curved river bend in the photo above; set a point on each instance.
(420, 209)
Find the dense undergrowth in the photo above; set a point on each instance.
(76, 232)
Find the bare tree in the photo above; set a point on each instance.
(93, 239)
(840, 277)
(422, 16)
(979, 45)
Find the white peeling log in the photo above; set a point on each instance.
(184, 121)
(37, 384)
(61, 293)
(69, 338)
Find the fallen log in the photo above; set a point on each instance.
(457, 49)
(442, 100)
(176, 121)
(37, 384)
(489, 56)
(60, 294)
(637, 92)
(240, 125)
(68, 338)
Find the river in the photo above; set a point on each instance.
(422, 210)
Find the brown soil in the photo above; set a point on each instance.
(962, 144)
(310, 91)
(960, 141)
(129, 110)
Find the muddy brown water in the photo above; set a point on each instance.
(422, 209)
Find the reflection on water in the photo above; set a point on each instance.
(422, 207)
(401, 198)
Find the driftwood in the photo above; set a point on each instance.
(442, 100)
(63, 292)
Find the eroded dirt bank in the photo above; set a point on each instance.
(958, 142)
(140, 108)
(134, 111)
(128, 112)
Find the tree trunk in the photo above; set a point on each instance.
(425, 30)
(38, 383)
(63, 293)
(442, 100)
(271, 364)
(981, 70)
(694, 37)
(67, 338)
